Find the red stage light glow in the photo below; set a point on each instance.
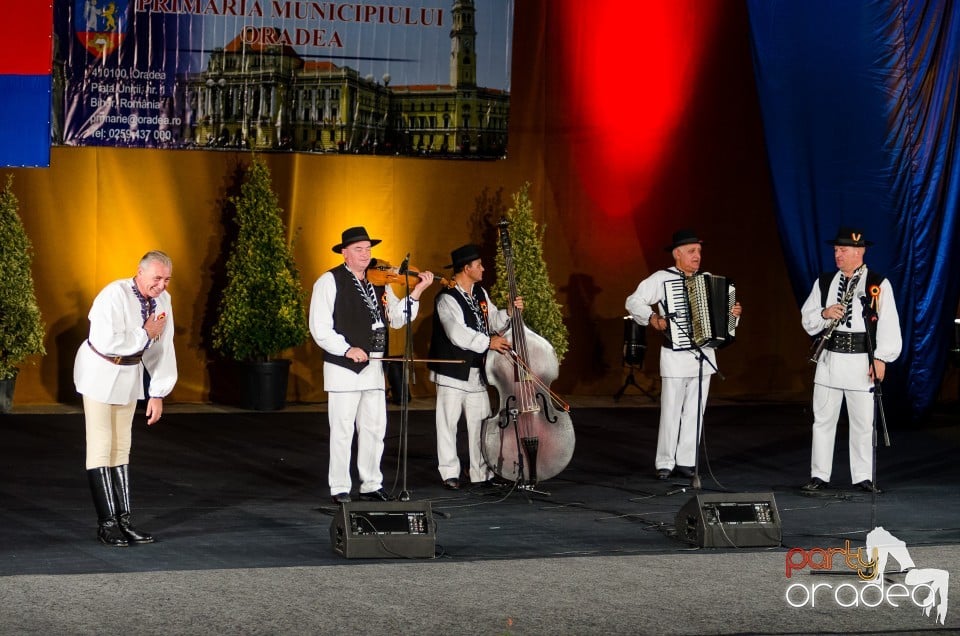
(634, 66)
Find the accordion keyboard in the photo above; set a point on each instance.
(675, 300)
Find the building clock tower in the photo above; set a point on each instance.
(463, 39)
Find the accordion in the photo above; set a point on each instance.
(701, 306)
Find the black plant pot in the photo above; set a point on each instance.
(6, 394)
(264, 384)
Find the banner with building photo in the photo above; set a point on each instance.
(404, 77)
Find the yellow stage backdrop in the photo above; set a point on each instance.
(94, 212)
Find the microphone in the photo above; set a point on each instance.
(404, 264)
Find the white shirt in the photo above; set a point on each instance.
(454, 324)
(649, 293)
(849, 370)
(116, 328)
(336, 377)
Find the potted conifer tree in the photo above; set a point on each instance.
(261, 312)
(542, 312)
(21, 326)
(548, 446)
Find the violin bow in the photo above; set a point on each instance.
(398, 359)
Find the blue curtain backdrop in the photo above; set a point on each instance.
(860, 112)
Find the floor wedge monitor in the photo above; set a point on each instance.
(384, 530)
(730, 520)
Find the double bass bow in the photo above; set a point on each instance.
(531, 437)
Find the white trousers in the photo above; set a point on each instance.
(677, 440)
(366, 413)
(109, 432)
(826, 411)
(475, 407)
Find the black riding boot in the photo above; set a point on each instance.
(108, 527)
(121, 486)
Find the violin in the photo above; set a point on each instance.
(380, 273)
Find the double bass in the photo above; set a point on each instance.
(530, 438)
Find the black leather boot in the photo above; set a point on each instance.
(108, 527)
(121, 487)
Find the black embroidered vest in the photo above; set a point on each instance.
(440, 345)
(873, 280)
(352, 319)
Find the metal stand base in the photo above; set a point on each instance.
(631, 380)
(531, 488)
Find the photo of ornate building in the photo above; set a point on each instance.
(260, 93)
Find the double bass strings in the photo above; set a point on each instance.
(556, 399)
(527, 395)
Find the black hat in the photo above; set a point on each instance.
(464, 255)
(683, 237)
(851, 237)
(354, 235)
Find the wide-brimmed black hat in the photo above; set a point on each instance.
(851, 237)
(353, 235)
(463, 255)
(683, 237)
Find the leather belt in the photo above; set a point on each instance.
(847, 342)
(125, 361)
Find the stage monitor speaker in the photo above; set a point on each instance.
(384, 530)
(738, 520)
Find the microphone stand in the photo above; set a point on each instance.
(405, 378)
(879, 418)
(701, 358)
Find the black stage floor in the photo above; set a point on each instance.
(238, 489)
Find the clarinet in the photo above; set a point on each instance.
(821, 342)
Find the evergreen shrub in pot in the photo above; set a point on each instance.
(21, 325)
(262, 309)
